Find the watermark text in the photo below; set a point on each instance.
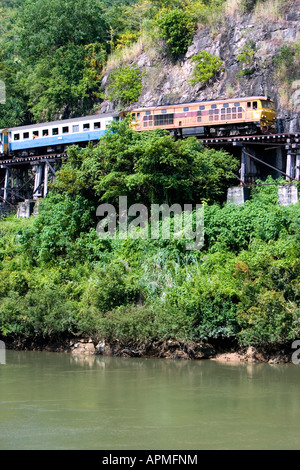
(160, 222)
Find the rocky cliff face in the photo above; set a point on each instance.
(168, 83)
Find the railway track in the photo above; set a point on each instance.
(264, 139)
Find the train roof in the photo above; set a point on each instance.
(219, 100)
(63, 121)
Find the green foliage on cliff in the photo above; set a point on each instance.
(125, 85)
(246, 58)
(177, 28)
(288, 62)
(206, 67)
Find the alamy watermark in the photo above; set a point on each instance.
(160, 222)
(296, 354)
(2, 93)
(2, 353)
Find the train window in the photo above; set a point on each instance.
(97, 125)
(237, 105)
(86, 127)
(65, 130)
(35, 134)
(267, 104)
(213, 106)
(148, 113)
(75, 128)
(165, 120)
(225, 105)
(55, 131)
(45, 132)
(185, 109)
(249, 104)
(16, 136)
(202, 108)
(254, 104)
(25, 135)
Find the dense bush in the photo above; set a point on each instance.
(206, 67)
(177, 28)
(125, 85)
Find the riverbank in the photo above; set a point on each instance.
(216, 350)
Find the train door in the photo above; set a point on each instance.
(249, 110)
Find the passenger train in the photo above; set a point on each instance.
(238, 116)
(53, 137)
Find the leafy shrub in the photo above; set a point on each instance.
(206, 67)
(176, 28)
(272, 320)
(246, 58)
(125, 85)
(288, 61)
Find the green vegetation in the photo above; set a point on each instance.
(288, 62)
(55, 54)
(206, 67)
(287, 65)
(177, 28)
(125, 85)
(246, 58)
(57, 278)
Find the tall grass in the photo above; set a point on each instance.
(233, 7)
(270, 10)
(124, 55)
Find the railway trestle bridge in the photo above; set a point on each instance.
(27, 178)
(263, 155)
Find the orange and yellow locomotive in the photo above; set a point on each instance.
(236, 116)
